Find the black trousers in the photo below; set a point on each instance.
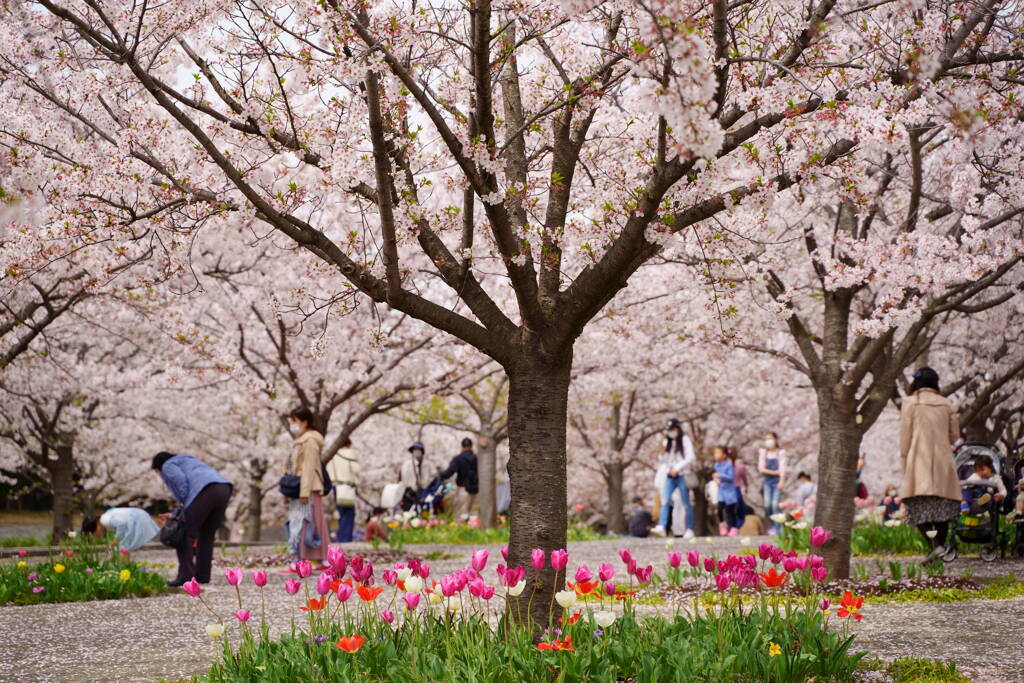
(202, 519)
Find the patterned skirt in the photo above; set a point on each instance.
(930, 509)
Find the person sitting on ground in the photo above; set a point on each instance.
(984, 475)
(376, 528)
(132, 527)
(805, 489)
(640, 519)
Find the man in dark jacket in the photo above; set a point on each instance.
(463, 466)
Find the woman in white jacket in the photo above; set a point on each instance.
(678, 460)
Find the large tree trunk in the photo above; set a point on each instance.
(840, 439)
(616, 516)
(486, 461)
(537, 410)
(254, 512)
(61, 473)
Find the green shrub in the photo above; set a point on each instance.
(868, 538)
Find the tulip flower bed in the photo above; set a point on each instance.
(83, 572)
(472, 625)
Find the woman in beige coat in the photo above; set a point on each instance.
(308, 508)
(931, 489)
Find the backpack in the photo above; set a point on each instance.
(325, 479)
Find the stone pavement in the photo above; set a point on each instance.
(164, 638)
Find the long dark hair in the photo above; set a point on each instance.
(678, 441)
(925, 378)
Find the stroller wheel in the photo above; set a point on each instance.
(988, 553)
(950, 554)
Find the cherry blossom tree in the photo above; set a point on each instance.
(418, 149)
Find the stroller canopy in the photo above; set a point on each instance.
(969, 452)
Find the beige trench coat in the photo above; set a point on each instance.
(928, 428)
(306, 462)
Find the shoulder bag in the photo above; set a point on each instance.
(172, 534)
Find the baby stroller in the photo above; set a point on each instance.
(979, 523)
(429, 499)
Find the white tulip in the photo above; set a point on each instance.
(604, 619)
(745, 540)
(517, 590)
(931, 533)
(565, 598)
(778, 517)
(403, 574)
(413, 584)
(215, 630)
(454, 603)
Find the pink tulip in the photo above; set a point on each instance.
(69, 553)
(412, 601)
(537, 559)
(583, 574)
(605, 572)
(423, 570)
(504, 553)
(824, 604)
(819, 574)
(21, 553)
(643, 574)
(449, 586)
(764, 551)
(387, 615)
(479, 560)
(693, 558)
(389, 576)
(817, 561)
(513, 575)
(675, 559)
(802, 563)
(819, 536)
(336, 558)
(750, 561)
(609, 587)
(323, 583)
(192, 588)
(709, 564)
(259, 577)
(243, 615)
(292, 586)
(344, 592)
(777, 555)
(559, 559)
(487, 592)
(722, 581)
(631, 567)
(790, 565)
(234, 575)
(625, 555)
(303, 568)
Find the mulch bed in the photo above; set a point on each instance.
(876, 586)
(379, 558)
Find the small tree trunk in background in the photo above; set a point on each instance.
(837, 476)
(701, 514)
(61, 473)
(487, 468)
(537, 411)
(254, 512)
(616, 515)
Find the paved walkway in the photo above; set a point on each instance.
(164, 638)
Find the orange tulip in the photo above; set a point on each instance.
(558, 645)
(351, 643)
(369, 594)
(314, 605)
(850, 606)
(774, 579)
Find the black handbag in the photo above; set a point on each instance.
(173, 532)
(289, 483)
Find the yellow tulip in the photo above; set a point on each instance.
(58, 568)
(22, 564)
(774, 649)
(125, 575)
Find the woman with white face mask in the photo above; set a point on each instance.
(677, 461)
(771, 463)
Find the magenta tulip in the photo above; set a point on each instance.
(192, 588)
(819, 536)
(584, 575)
(479, 560)
(243, 615)
(504, 553)
(605, 572)
(387, 615)
(625, 555)
(819, 574)
(537, 559)
(609, 587)
(722, 581)
(344, 592)
(764, 551)
(675, 559)
(323, 583)
(644, 574)
(292, 586)
(412, 601)
(234, 575)
(559, 560)
(303, 568)
(389, 576)
(693, 558)
(709, 564)
(259, 577)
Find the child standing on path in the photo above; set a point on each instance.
(728, 494)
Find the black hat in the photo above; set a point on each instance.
(419, 445)
(674, 424)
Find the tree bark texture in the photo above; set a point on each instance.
(616, 514)
(254, 512)
(839, 441)
(487, 469)
(61, 473)
(537, 411)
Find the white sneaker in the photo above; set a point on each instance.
(658, 531)
(689, 534)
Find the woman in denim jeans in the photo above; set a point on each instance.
(677, 460)
(771, 463)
